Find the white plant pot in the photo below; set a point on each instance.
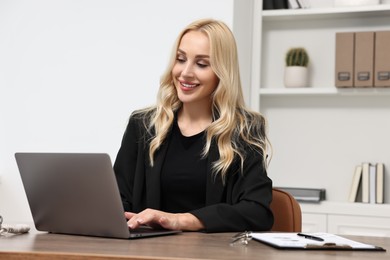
(296, 77)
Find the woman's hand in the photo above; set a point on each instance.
(159, 219)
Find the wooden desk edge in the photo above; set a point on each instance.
(12, 255)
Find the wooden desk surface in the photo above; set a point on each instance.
(37, 245)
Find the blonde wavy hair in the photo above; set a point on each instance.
(234, 128)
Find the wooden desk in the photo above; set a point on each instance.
(36, 245)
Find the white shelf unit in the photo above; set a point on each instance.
(320, 133)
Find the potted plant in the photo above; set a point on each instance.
(296, 71)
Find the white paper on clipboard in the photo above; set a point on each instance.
(293, 241)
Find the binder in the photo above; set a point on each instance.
(366, 182)
(268, 4)
(382, 59)
(280, 4)
(356, 182)
(364, 59)
(293, 4)
(380, 181)
(372, 184)
(345, 54)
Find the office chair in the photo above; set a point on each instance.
(287, 212)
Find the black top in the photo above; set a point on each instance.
(183, 175)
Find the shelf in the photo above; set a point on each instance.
(297, 91)
(321, 13)
(323, 91)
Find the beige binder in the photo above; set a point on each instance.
(382, 59)
(380, 181)
(345, 49)
(366, 182)
(364, 59)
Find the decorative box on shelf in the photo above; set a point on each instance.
(306, 194)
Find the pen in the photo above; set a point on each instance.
(310, 237)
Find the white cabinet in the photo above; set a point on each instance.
(320, 133)
(346, 218)
(357, 225)
(314, 222)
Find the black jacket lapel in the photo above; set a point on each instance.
(153, 179)
(215, 187)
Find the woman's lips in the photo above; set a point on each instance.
(187, 85)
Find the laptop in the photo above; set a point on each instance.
(76, 193)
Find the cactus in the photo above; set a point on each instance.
(297, 57)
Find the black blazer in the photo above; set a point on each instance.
(242, 203)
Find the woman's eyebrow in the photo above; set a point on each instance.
(202, 56)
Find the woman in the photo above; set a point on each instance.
(196, 160)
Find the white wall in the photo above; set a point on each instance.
(71, 72)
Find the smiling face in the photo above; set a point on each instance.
(192, 74)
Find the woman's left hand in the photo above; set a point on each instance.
(156, 218)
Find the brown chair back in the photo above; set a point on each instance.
(287, 212)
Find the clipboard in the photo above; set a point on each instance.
(296, 242)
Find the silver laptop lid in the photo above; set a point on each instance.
(73, 193)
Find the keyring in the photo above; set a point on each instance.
(242, 238)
